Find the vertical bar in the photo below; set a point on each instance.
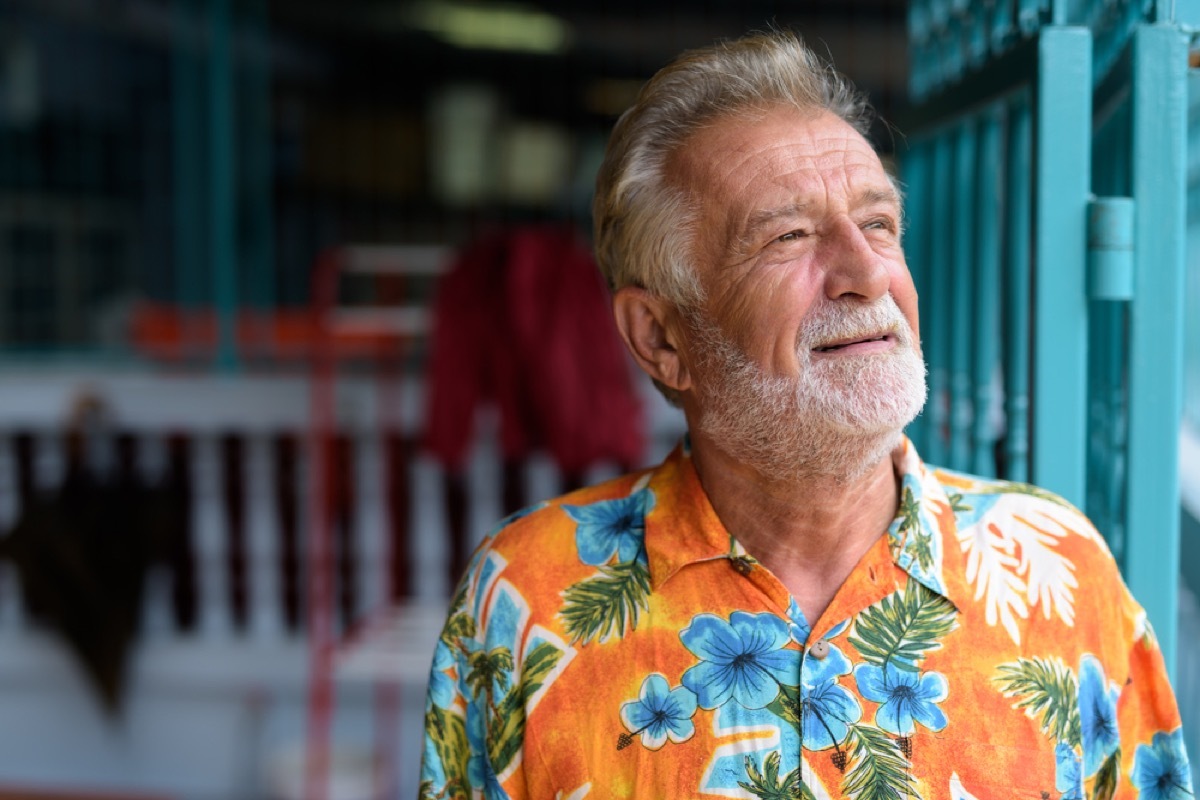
(961, 411)
(181, 486)
(260, 252)
(320, 553)
(1116, 431)
(399, 501)
(1029, 15)
(12, 616)
(212, 548)
(233, 479)
(188, 158)
(1017, 290)
(1063, 153)
(286, 454)
(222, 171)
(1160, 59)
(1002, 15)
(370, 531)
(986, 358)
(263, 541)
(915, 169)
(1107, 357)
(344, 483)
(938, 309)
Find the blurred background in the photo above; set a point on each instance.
(226, 230)
(296, 301)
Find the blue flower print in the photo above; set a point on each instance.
(480, 773)
(743, 659)
(827, 707)
(611, 526)
(660, 713)
(1067, 777)
(1097, 715)
(441, 686)
(1160, 770)
(905, 697)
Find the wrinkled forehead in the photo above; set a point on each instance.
(775, 143)
(738, 168)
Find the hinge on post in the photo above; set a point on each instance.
(1110, 248)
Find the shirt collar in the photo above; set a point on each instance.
(682, 528)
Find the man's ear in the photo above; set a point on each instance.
(650, 327)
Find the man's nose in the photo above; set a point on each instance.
(852, 268)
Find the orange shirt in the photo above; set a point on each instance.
(618, 642)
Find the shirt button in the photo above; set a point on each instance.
(820, 649)
(742, 565)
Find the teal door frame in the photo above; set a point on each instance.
(1053, 318)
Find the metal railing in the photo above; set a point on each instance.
(1045, 170)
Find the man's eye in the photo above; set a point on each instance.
(880, 225)
(792, 236)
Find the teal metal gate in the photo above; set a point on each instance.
(1045, 167)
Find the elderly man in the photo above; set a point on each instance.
(793, 604)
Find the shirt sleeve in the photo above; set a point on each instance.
(467, 706)
(1153, 762)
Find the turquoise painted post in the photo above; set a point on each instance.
(1160, 58)
(914, 170)
(188, 157)
(1108, 356)
(222, 172)
(985, 360)
(1063, 136)
(937, 344)
(1108, 449)
(962, 306)
(1018, 288)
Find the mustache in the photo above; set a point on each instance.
(850, 319)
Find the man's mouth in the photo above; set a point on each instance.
(856, 343)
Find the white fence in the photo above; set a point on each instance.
(217, 678)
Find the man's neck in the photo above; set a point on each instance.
(809, 531)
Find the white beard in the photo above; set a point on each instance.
(838, 418)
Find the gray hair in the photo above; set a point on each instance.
(643, 225)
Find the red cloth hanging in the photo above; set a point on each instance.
(522, 320)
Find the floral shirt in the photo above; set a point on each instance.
(618, 642)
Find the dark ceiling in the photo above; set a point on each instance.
(623, 40)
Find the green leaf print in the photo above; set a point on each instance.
(449, 733)
(910, 525)
(460, 626)
(504, 740)
(910, 512)
(1109, 774)
(486, 667)
(878, 769)
(1048, 688)
(766, 785)
(956, 502)
(902, 627)
(787, 706)
(607, 604)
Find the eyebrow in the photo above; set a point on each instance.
(760, 219)
(763, 218)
